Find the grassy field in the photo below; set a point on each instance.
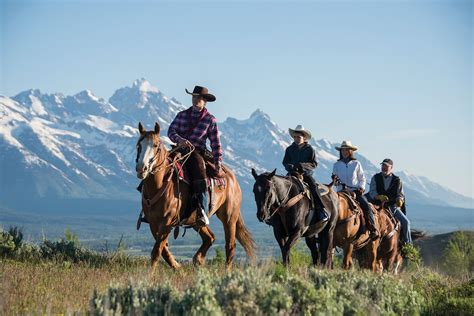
(63, 277)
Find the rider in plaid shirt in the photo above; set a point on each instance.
(206, 127)
(193, 127)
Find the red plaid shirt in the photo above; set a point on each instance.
(204, 127)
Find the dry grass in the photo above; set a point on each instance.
(54, 288)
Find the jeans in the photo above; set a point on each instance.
(405, 222)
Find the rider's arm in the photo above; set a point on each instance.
(400, 199)
(311, 163)
(286, 161)
(175, 128)
(373, 188)
(361, 176)
(213, 135)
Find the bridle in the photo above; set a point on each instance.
(279, 205)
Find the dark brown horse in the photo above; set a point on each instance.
(282, 204)
(165, 198)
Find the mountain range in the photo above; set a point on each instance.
(55, 147)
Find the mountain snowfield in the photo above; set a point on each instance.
(68, 148)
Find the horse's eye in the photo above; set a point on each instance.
(156, 145)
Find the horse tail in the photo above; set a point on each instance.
(417, 234)
(245, 238)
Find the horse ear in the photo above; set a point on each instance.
(157, 128)
(272, 173)
(141, 129)
(254, 174)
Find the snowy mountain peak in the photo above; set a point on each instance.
(259, 114)
(144, 86)
(86, 96)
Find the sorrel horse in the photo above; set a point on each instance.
(165, 198)
(282, 204)
(348, 233)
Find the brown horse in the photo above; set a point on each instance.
(383, 253)
(165, 198)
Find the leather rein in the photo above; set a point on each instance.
(286, 203)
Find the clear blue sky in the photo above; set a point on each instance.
(395, 77)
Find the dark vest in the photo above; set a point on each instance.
(392, 190)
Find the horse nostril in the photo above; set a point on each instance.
(145, 168)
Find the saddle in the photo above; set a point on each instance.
(357, 210)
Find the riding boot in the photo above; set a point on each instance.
(368, 215)
(200, 189)
(374, 233)
(321, 213)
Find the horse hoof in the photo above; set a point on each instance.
(198, 260)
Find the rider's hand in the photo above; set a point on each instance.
(382, 198)
(184, 143)
(399, 202)
(219, 171)
(360, 191)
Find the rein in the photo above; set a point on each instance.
(148, 203)
(286, 204)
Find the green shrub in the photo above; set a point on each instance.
(7, 244)
(201, 298)
(135, 299)
(412, 255)
(458, 257)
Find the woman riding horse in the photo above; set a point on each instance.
(351, 176)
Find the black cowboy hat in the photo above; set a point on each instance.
(202, 91)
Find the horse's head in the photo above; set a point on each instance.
(150, 151)
(265, 194)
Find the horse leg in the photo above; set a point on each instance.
(161, 238)
(279, 233)
(292, 239)
(372, 249)
(326, 242)
(169, 258)
(229, 231)
(313, 246)
(348, 248)
(207, 240)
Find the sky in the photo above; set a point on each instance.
(394, 77)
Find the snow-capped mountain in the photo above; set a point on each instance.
(81, 147)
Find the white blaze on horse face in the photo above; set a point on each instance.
(147, 153)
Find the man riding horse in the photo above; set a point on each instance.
(387, 188)
(300, 158)
(190, 129)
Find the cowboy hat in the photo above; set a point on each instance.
(202, 91)
(300, 129)
(346, 144)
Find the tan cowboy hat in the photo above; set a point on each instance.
(347, 144)
(302, 130)
(202, 91)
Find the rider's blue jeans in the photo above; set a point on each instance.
(405, 222)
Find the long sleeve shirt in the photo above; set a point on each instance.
(197, 127)
(303, 157)
(351, 174)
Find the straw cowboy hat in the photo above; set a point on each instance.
(302, 130)
(347, 144)
(202, 91)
